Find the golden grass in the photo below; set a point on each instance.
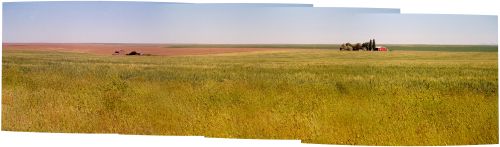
(318, 96)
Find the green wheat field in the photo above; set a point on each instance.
(323, 96)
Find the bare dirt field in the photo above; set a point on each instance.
(109, 49)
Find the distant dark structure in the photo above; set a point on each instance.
(133, 53)
(367, 46)
(119, 52)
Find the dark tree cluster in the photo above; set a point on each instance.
(367, 46)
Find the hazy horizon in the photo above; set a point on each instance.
(221, 43)
(174, 23)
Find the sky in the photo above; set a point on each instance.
(153, 22)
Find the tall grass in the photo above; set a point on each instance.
(318, 96)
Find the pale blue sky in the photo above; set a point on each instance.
(139, 22)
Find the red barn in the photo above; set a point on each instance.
(381, 48)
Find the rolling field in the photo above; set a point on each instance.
(393, 47)
(110, 48)
(317, 96)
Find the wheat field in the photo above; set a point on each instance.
(315, 95)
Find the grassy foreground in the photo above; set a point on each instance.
(318, 96)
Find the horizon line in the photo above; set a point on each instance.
(231, 43)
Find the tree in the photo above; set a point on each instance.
(357, 46)
(369, 45)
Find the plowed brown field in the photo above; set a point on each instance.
(109, 49)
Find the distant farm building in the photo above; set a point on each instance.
(119, 52)
(367, 46)
(381, 48)
(132, 53)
